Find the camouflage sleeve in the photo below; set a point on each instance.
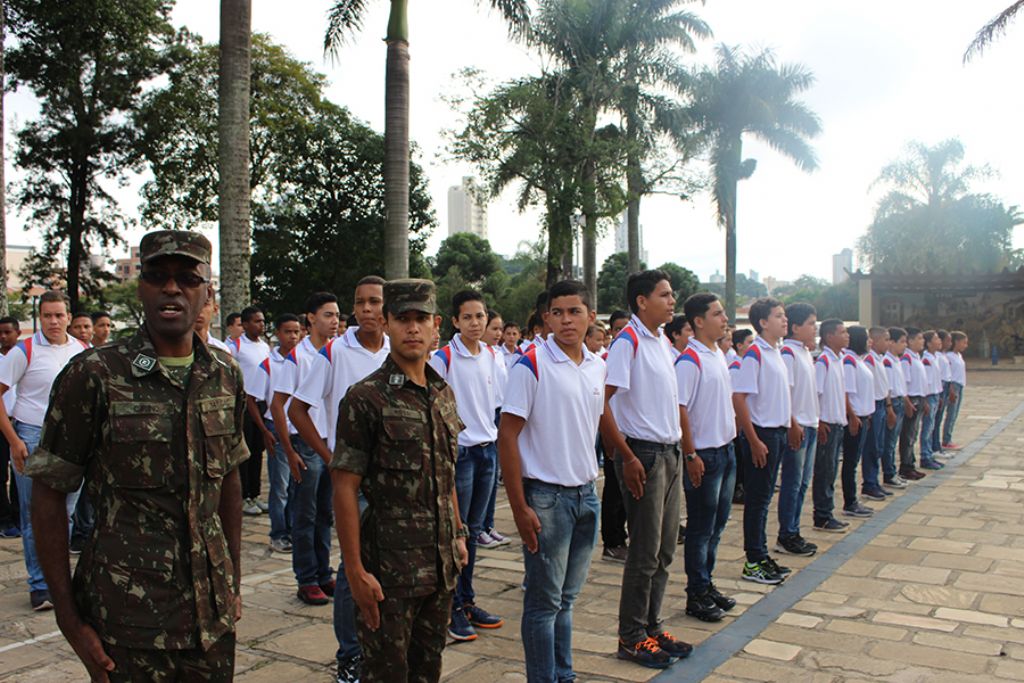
(71, 429)
(237, 452)
(357, 420)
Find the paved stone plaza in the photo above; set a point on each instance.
(930, 589)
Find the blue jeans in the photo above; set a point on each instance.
(30, 435)
(952, 412)
(871, 458)
(345, 609)
(927, 427)
(555, 574)
(937, 429)
(475, 471)
(280, 488)
(826, 463)
(489, 516)
(707, 511)
(892, 438)
(797, 468)
(759, 483)
(312, 513)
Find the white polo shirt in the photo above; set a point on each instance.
(913, 370)
(860, 384)
(562, 403)
(11, 395)
(640, 367)
(510, 357)
(957, 368)
(215, 343)
(944, 370)
(249, 355)
(933, 376)
(762, 377)
(831, 387)
(339, 364)
(306, 354)
(284, 373)
(476, 381)
(32, 366)
(881, 377)
(800, 371)
(705, 390)
(894, 372)
(732, 357)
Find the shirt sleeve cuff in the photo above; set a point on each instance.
(237, 455)
(349, 459)
(516, 410)
(55, 472)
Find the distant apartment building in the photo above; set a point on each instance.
(16, 257)
(716, 278)
(755, 276)
(128, 268)
(467, 212)
(842, 266)
(622, 237)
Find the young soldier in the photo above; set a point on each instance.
(10, 526)
(883, 417)
(764, 413)
(549, 421)
(151, 426)
(946, 374)
(475, 373)
(708, 426)
(933, 395)
(397, 443)
(798, 463)
(81, 328)
(917, 381)
(102, 326)
(250, 349)
(836, 413)
(860, 391)
(641, 425)
(901, 406)
(958, 380)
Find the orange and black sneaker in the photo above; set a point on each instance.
(645, 653)
(673, 646)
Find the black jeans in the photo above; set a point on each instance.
(252, 469)
(826, 462)
(853, 449)
(613, 512)
(759, 486)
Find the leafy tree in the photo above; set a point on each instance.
(750, 94)
(86, 62)
(746, 288)
(611, 281)
(830, 301)
(684, 282)
(993, 29)
(470, 253)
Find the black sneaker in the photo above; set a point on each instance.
(40, 600)
(832, 526)
(858, 510)
(794, 545)
(723, 601)
(645, 653)
(348, 669)
(673, 646)
(681, 538)
(761, 572)
(618, 554)
(704, 608)
(778, 568)
(807, 544)
(76, 546)
(873, 493)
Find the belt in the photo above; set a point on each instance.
(652, 444)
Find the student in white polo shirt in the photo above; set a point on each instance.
(883, 417)
(250, 350)
(933, 396)
(860, 388)
(958, 380)
(641, 425)
(31, 367)
(764, 413)
(917, 388)
(836, 413)
(901, 406)
(475, 374)
(509, 348)
(945, 374)
(553, 401)
(205, 320)
(798, 463)
(708, 426)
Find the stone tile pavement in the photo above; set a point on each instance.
(935, 594)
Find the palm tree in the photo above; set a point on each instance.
(344, 18)
(233, 153)
(750, 94)
(991, 30)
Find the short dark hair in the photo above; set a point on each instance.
(370, 280)
(81, 314)
(10, 320)
(697, 306)
(535, 321)
(232, 317)
(739, 336)
(642, 284)
(912, 332)
(858, 339)
(617, 314)
(491, 315)
(829, 327)
(896, 333)
(464, 296)
(570, 288)
(594, 328)
(797, 314)
(317, 300)
(957, 335)
(249, 312)
(99, 315)
(876, 331)
(509, 325)
(541, 304)
(943, 334)
(286, 318)
(760, 310)
(928, 335)
(52, 296)
(675, 326)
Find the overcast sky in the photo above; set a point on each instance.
(887, 73)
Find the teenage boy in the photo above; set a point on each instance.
(595, 339)
(725, 343)
(250, 349)
(741, 340)
(616, 322)
(798, 463)
(81, 328)
(957, 382)
(678, 333)
(860, 391)
(203, 323)
(708, 425)
(917, 381)
(613, 510)
(946, 374)
(233, 327)
(510, 350)
(641, 425)
(901, 406)
(933, 395)
(102, 326)
(311, 500)
(475, 373)
(836, 412)
(31, 367)
(553, 401)
(883, 417)
(10, 527)
(764, 414)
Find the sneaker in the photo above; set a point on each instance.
(778, 568)
(250, 508)
(616, 554)
(761, 572)
(76, 546)
(261, 505)
(738, 495)
(931, 465)
(40, 600)
(704, 608)
(912, 474)
(481, 618)
(858, 510)
(897, 482)
(951, 447)
(645, 653)
(328, 588)
(833, 526)
(348, 669)
(312, 595)
(485, 540)
(499, 537)
(873, 493)
(681, 538)
(723, 601)
(673, 646)
(459, 627)
(280, 545)
(794, 545)
(10, 532)
(807, 544)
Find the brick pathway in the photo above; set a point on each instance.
(936, 595)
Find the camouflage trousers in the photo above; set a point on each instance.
(407, 646)
(216, 665)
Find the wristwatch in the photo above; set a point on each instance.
(462, 532)
(690, 457)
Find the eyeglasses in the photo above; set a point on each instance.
(185, 279)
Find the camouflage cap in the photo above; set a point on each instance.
(186, 243)
(410, 295)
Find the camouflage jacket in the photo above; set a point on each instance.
(156, 571)
(402, 439)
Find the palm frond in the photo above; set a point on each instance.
(344, 18)
(516, 13)
(993, 29)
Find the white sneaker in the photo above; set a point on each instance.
(261, 505)
(897, 482)
(484, 540)
(250, 508)
(499, 537)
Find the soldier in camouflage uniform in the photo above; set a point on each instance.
(397, 432)
(152, 425)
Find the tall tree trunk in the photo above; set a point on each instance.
(234, 194)
(76, 218)
(735, 156)
(634, 181)
(590, 230)
(3, 159)
(559, 226)
(396, 144)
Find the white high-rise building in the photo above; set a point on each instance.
(622, 237)
(716, 278)
(842, 266)
(466, 211)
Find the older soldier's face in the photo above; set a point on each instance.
(173, 291)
